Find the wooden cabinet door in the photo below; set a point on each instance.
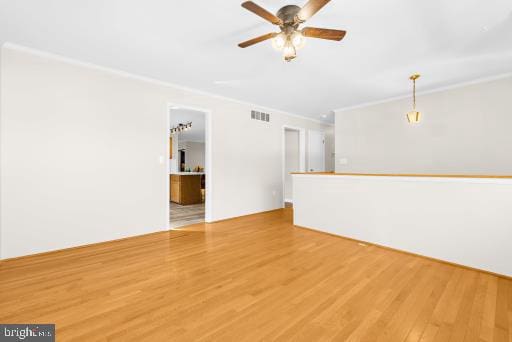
(186, 190)
(175, 189)
(190, 189)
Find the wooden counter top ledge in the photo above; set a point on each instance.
(403, 175)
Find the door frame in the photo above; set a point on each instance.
(302, 154)
(208, 215)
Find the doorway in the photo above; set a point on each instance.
(189, 166)
(293, 160)
(316, 151)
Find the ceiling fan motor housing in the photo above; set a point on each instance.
(288, 14)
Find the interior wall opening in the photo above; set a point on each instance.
(293, 159)
(188, 169)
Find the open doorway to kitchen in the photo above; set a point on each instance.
(294, 159)
(189, 156)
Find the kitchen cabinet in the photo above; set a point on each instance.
(185, 189)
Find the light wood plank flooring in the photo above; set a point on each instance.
(255, 278)
(183, 215)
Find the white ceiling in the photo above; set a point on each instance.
(180, 115)
(194, 44)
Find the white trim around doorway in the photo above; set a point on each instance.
(302, 155)
(208, 216)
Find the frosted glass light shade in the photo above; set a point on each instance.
(414, 117)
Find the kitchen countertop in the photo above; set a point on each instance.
(187, 173)
(420, 175)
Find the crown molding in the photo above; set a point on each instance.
(432, 91)
(73, 61)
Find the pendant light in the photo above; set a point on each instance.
(414, 116)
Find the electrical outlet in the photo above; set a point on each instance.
(343, 161)
(274, 193)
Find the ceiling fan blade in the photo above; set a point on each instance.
(322, 33)
(310, 8)
(260, 11)
(257, 40)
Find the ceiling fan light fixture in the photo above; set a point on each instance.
(298, 40)
(289, 51)
(289, 18)
(279, 41)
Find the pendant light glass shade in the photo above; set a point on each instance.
(414, 117)
(279, 41)
(288, 43)
(289, 51)
(298, 40)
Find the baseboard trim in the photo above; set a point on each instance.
(126, 238)
(247, 215)
(409, 253)
(68, 249)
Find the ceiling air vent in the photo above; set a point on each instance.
(255, 115)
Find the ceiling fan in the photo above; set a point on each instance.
(289, 18)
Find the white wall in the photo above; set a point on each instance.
(463, 130)
(291, 160)
(194, 154)
(465, 221)
(80, 149)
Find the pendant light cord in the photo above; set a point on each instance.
(414, 94)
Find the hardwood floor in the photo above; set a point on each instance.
(255, 278)
(183, 215)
